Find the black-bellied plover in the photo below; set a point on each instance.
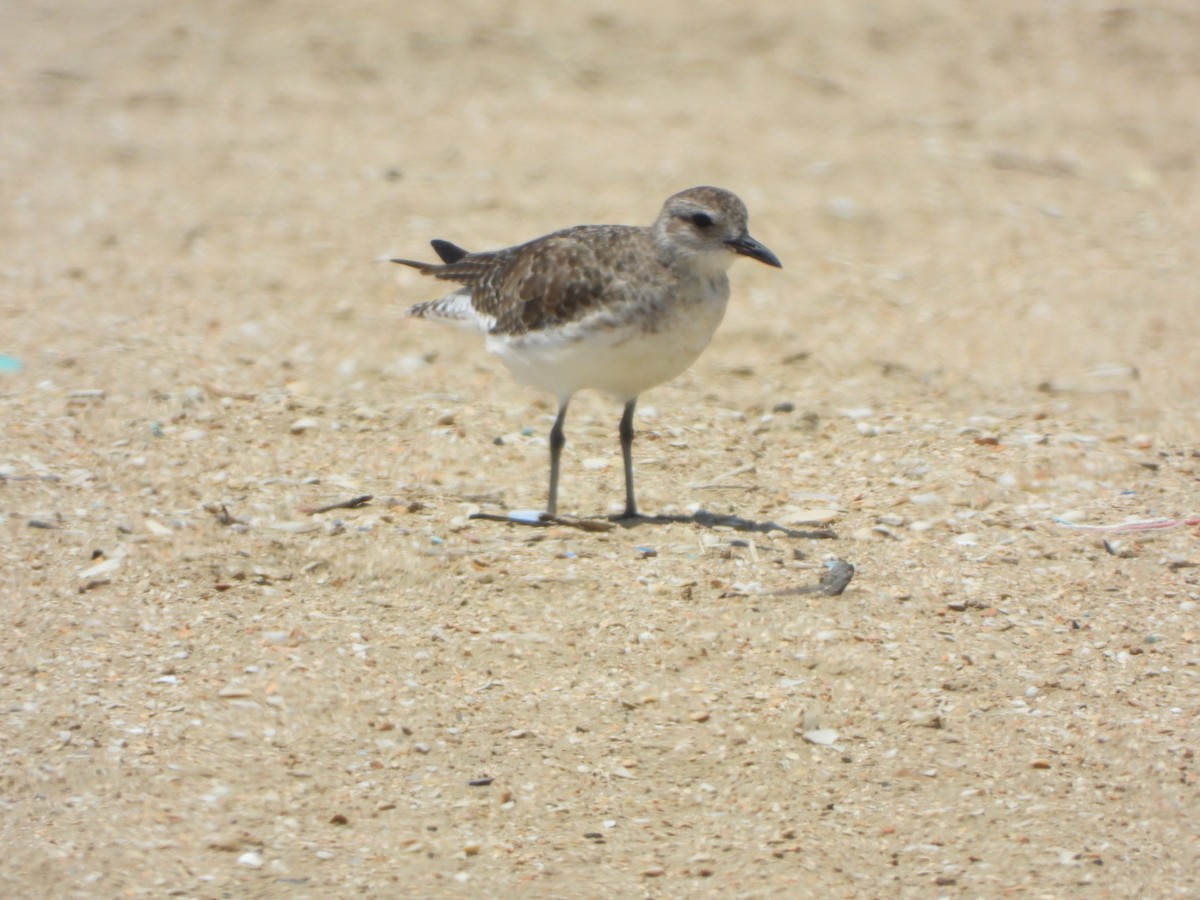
(617, 308)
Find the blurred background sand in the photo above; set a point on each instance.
(1001, 195)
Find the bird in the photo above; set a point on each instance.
(614, 308)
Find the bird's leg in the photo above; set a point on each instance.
(626, 432)
(558, 440)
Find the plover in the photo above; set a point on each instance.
(617, 308)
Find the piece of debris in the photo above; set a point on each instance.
(1117, 548)
(832, 583)
(1147, 525)
(222, 514)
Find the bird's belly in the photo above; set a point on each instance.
(619, 358)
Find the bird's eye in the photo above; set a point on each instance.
(702, 220)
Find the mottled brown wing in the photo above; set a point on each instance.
(554, 280)
(548, 281)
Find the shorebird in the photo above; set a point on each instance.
(616, 308)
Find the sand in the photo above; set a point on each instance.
(983, 337)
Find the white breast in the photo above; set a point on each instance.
(621, 353)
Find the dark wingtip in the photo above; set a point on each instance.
(448, 252)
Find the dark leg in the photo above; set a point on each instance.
(558, 440)
(627, 454)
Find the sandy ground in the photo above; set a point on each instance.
(987, 319)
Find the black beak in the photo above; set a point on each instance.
(748, 246)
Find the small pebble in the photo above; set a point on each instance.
(842, 208)
(295, 527)
(811, 515)
(821, 736)
(101, 569)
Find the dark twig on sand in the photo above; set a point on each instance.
(352, 503)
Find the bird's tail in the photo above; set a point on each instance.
(447, 252)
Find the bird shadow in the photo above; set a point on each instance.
(701, 517)
(706, 519)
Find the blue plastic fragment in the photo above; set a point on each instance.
(525, 516)
(10, 363)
